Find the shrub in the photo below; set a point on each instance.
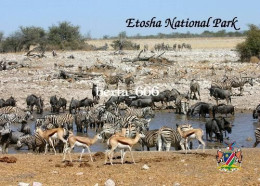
(251, 46)
(124, 45)
(65, 36)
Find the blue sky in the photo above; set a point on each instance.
(107, 17)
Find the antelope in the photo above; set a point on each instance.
(49, 135)
(190, 135)
(80, 141)
(122, 143)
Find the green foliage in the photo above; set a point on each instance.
(65, 36)
(251, 46)
(13, 43)
(124, 45)
(32, 36)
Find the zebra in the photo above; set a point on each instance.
(168, 137)
(111, 80)
(234, 82)
(109, 117)
(40, 143)
(21, 114)
(82, 120)
(28, 140)
(150, 139)
(257, 137)
(140, 113)
(62, 120)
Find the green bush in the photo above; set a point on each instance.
(251, 46)
(65, 36)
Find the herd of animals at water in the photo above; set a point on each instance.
(122, 121)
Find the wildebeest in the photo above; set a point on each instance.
(5, 137)
(218, 93)
(141, 103)
(53, 102)
(10, 102)
(212, 127)
(62, 103)
(2, 103)
(32, 100)
(256, 112)
(74, 105)
(224, 125)
(223, 109)
(194, 87)
(87, 102)
(25, 128)
(200, 108)
(95, 92)
(129, 80)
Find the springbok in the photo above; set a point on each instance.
(122, 143)
(190, 135)
(80, 141)
(50, 135)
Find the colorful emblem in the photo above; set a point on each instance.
(227, 161)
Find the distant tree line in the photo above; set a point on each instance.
(65, 36)
(221, 33)
(61, 36)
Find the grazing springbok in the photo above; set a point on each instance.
(190, 135)
(52, 134)
(122, 143)
(80, 141)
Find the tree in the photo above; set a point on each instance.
(251, 46)
(32, 36)
(65, 35)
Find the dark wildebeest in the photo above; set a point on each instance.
(34, 100)
(95, 92)
(223, 109)
(5, 137)
(200, 108)
(62, 103)
(212, 127)
(87, 102)
(10, 102)
(256, 112)
(141, 103)
(74, 105)
(224, 125)
(218, 93)
(194, 87)
(25, 128)
(2, 103)
(53, 102)
(112, 100)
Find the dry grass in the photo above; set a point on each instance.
(166, 168)
(196, 43)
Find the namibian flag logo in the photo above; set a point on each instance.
(229, 159)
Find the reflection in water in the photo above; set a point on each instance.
(243, 128)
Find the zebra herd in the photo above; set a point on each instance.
(175, 47)
(122, 113)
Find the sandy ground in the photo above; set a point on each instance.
(165, 168)
(196, 43)
(39, 77)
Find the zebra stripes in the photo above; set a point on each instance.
(150, 139)
(62, 120)
(20, 114)
(257, 137)
(28, 140)
(168, 137)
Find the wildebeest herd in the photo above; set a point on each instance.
(122, 120)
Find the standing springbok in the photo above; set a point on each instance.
(122, 143)
(50, 135)
(80, 141)
(190, 135)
